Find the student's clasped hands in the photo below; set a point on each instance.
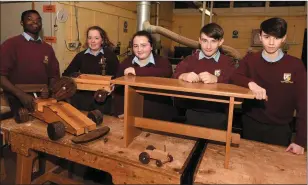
(204, 77)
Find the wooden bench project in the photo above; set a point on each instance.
(136, 86)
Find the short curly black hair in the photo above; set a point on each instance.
(27, 12)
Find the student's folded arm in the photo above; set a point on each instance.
(225, 77)
(74, 66)
(241, 74)
(122, 66)
(162, 68)
(181, 68)
(301, 106)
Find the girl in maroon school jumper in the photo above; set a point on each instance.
(91, 61)
(279, 82)
(209, 66)
(144, 63)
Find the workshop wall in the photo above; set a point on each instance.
(188, 23)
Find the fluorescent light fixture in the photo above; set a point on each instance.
(206, 12)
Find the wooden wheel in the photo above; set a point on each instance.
(55, 130)
(64, 88)
(22, 115)
(100, 95)
(158, 163)
(144, 158)
(96, 116)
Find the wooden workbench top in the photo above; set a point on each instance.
(112, 149)
(219, 89)
(251, 163)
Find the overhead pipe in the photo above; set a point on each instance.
(157, 14)
(203, 13)
(211, 14)
(143, 13)
(186, 41)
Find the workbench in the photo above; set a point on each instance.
(121, 162)
(251, 163)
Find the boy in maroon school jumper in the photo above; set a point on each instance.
(208, 66)
(26, 59)
(279, 82)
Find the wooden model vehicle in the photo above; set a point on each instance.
(60, 116)
(160, 157)
(88, 82)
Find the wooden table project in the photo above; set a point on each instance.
(136, 86)
(111, 156)
(252, 163)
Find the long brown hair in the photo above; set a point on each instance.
(106, 41)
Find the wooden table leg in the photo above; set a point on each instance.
(229, 131)
(24, 168)
(133, 107)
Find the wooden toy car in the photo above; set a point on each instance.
(160, 157)
(61, 116)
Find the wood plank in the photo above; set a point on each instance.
(24, 167)
(252, 163)
(87, 81)
(86, 122)
(218, 89)
(93, 87)
(186, 130)
(229, 132)
(40, 103)
(69, 118)
(187, 97)
(133, 106)
(94, 77)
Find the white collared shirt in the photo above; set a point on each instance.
(216, 56)
(90, 52)
(280, 55)
(28, 37)
(151, 60)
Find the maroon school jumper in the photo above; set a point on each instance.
(223, 70)
(285, 82)
(28, 62)
(161, 68)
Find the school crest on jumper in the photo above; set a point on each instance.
(217, 72)
(287, 78)
(45, 61)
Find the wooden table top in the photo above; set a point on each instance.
(114, 148)
(252, 163)
(220, 89)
